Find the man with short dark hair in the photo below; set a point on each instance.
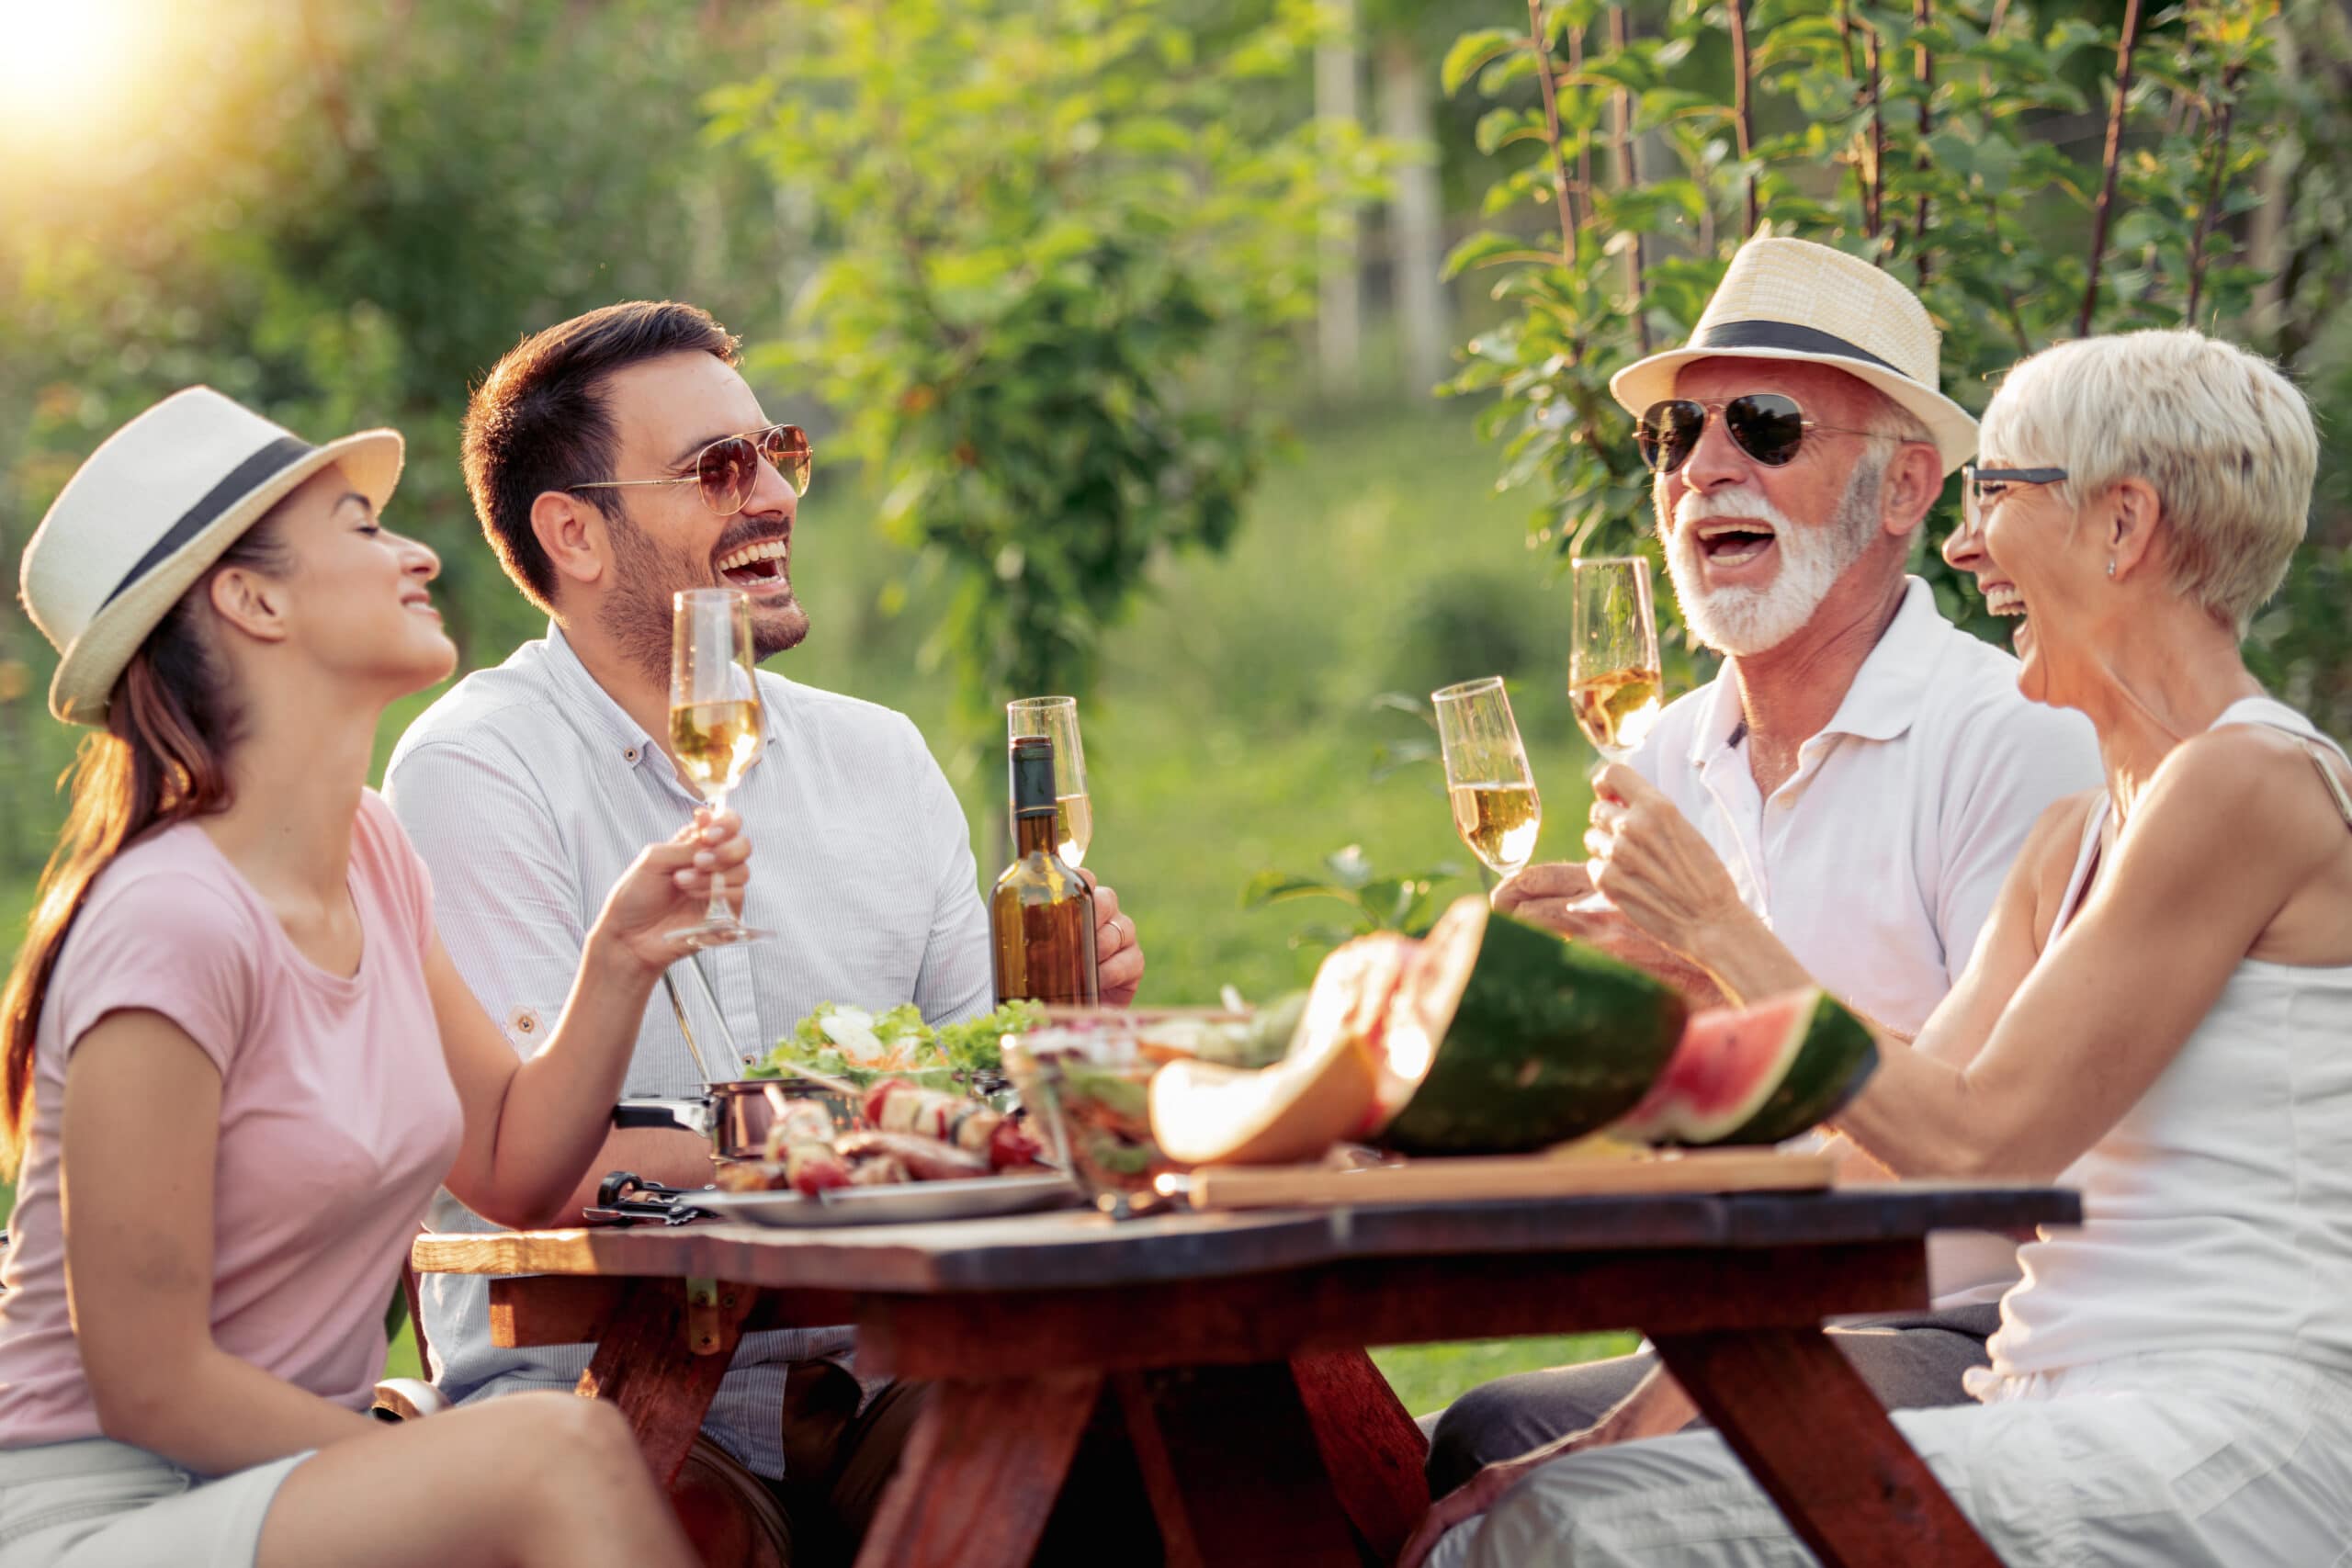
(614, 460)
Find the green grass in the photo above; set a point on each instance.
(1427, 1377)
(1235, 728)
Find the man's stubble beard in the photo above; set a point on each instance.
(639, 618)
(1747, 621)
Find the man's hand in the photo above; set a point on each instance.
(1655, 866)
(1467, 1502)
(1656, 1407)
(1118, 950)
(1560, 897)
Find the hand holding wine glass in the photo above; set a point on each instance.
(1613, 661)
(1496, 809)
(1057, 719)
(714, 721)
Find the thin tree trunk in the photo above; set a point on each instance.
(2212, 193)
(1338, 313)
(1582, 206)
(1627, 169)
(1418, 249)
(1743, 111)
(1552, 133)
(1874, 190)
(2269, 217)
(2112, 163)
(1924, 69)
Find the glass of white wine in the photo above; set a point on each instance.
(714, 720)
(1056, 719)
(1612, 658)
(1496, 809)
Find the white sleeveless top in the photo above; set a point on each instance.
(2218, 1211)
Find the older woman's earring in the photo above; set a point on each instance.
(2110, 568)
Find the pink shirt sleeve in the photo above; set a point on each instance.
(164, 941)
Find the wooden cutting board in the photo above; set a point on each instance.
(1513, 1176)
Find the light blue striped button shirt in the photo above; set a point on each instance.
(528, 791)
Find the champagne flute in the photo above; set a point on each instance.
(1613, 661)
(1496, 809)
(1056, 719)
(714, 720)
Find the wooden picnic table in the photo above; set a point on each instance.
(1232, 1348)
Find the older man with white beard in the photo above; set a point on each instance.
(1865, 771)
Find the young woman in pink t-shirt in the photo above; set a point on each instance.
(238, 1061)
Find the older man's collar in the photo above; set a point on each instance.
(1884, 698)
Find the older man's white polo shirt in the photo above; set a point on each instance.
(528, 791)
(1879, 860)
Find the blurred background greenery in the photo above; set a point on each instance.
(1121, 325)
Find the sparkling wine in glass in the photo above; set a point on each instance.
(1057, 719)
(1613, 661)
(1496, 809)
(714, 720)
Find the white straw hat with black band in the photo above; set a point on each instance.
(150, 511)
(1791, 300)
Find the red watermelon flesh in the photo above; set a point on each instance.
(1756, 1075)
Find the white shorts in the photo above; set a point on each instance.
(2209, 1461)
(99, 1503)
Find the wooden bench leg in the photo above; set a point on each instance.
(1233, 1470)
(1816, 1439)
(980, 1474)
(1371, 1445)
(645, 1364)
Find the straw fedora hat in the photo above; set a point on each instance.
(151, 509)
(1791, 300)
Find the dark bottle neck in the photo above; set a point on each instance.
(1035, 832)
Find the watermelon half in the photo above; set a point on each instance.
(1503, 1038)
(1756, 1075)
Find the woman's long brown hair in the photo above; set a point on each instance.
(163, 758)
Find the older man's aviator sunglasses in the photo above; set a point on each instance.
(728, 468)
(1768, 426)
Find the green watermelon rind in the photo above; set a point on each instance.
(1835, 1059)
(1551, 1040)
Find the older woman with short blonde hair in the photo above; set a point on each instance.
(2159, 1014)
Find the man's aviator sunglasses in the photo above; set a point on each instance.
(728, 468)
(1768, 426)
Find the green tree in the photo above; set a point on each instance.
(342, 215)
(1931, 137)
(1063, 242)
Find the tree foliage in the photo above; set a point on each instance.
(1977, 149)
(1061, 238)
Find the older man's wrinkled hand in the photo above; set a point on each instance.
(1560, 897)
(1655, 867)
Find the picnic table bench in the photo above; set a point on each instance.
(1231, 1345)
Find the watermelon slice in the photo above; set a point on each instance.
(1756, 1075)
(1503, 1037)
(1327, 1089)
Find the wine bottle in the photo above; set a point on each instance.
(1041, 917)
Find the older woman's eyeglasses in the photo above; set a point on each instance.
(1981, 487)
(728, 468)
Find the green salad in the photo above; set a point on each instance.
(861, 1046)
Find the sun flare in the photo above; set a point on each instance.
(63, 63)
